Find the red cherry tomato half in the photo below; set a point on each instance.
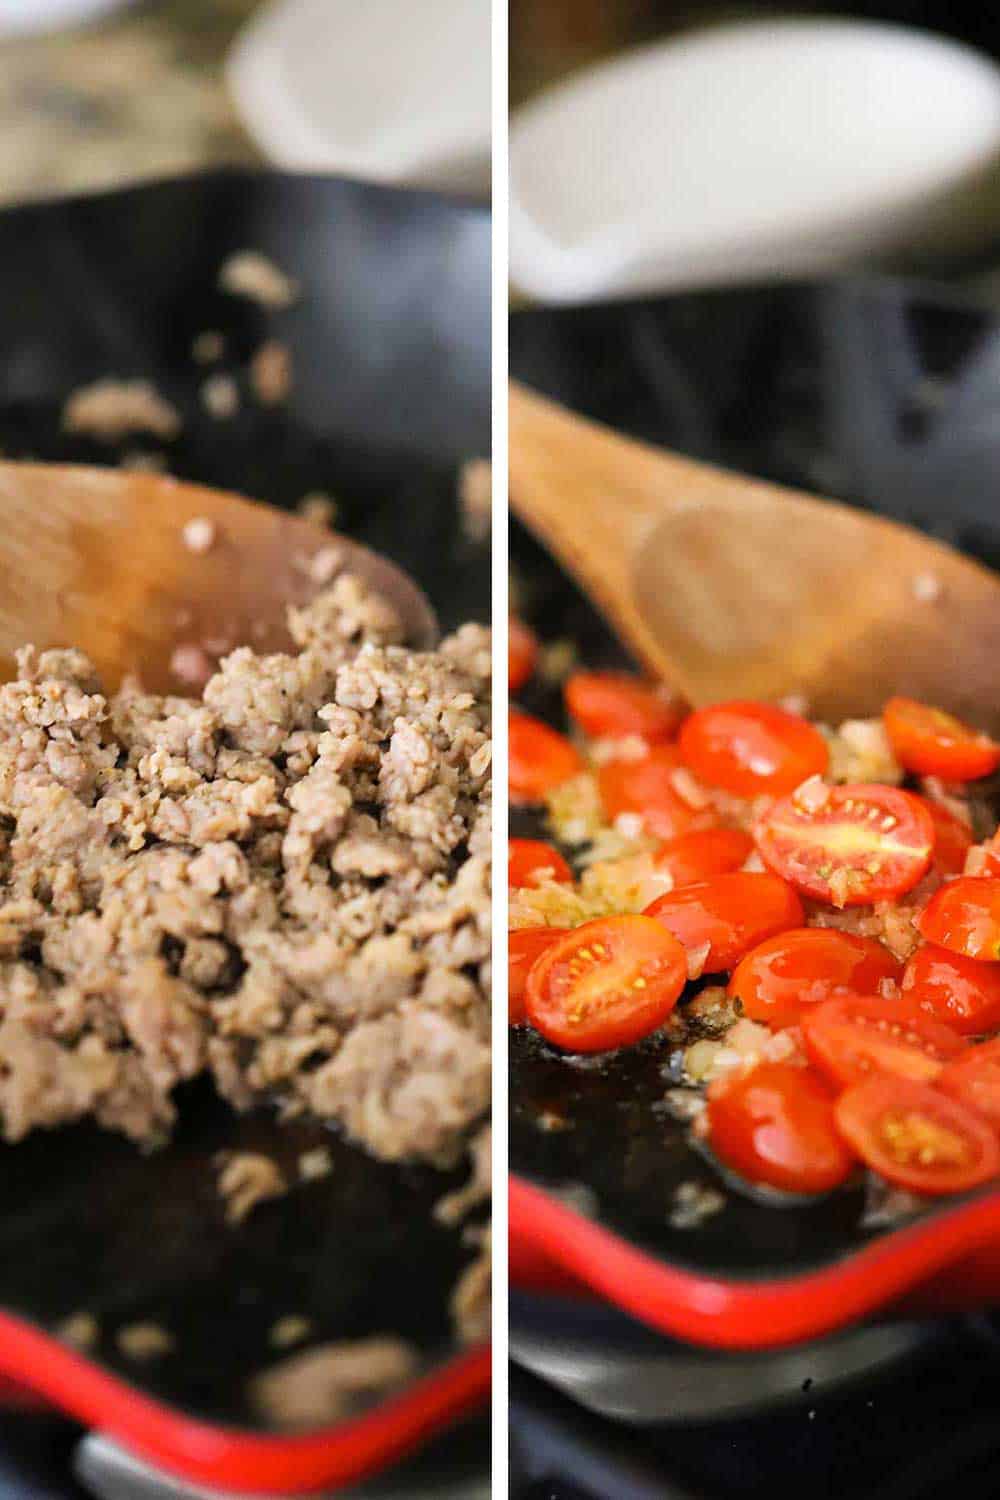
(776, 1125)
(531, 860)
(964, 915)
(929, 742)
(539, 758)
(851, 1037)
(606, 984)
(523, 947)
(848, 845)
(962, 992)
(917, 1136)
(974, 1080)
(952, 838)
(805, 967)
(705, 852)
(522, 653)
(609, 705)
(731, 913)
(750, 748)
(647, 787)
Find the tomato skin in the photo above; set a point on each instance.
(917, 1136)
(646, 787)
(952, 837)
(852, 1037)
(703, 852)
(786, 974)
(605, 984)
(776, 1125)
(523, 946)
(539, 758)
(964, 915)
(751, 748)
(529, 859)
(928, 742)
(864, 843)
(732, 913)
(522, 653)
(974, 1080)
(610, 705)
(962, 992)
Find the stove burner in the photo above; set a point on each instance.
(924, 1427)
(44, 1457)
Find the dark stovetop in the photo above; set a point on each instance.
(37, 1453)
(916, 1434)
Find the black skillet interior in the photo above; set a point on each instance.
(391, 355)
(878, 392)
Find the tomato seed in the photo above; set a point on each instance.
(912, 1137)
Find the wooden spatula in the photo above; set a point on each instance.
(100, 559)
(728, 587)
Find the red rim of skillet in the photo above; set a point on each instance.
(224, 1457)
(947, 1262)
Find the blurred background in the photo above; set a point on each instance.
(551, 38)
(137, 92)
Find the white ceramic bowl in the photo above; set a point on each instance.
(751, 150)
(388, 90)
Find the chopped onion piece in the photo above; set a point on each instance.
(696, 958)
(689, 789)
(812, 794)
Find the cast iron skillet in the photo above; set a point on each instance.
(887, 395)
(391, 352)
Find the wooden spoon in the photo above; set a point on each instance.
(728, 587)
(97, 558)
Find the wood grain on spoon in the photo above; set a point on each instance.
(97, 558)
(729, 587)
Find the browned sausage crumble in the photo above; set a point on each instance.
(285, 883)
(332, 1381)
